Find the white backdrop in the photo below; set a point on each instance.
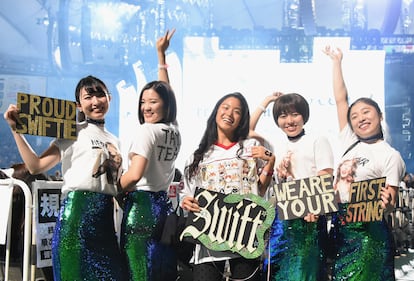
(207, 73)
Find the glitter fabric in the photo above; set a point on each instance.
(84, 245)
(296, 250)
(363, 250)
(142, 223)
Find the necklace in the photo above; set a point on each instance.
(302, 133)
(372, 139)
(96, 122)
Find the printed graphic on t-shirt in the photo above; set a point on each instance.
(229, 176)
(345, 176)
(108, 162)
(284, 169)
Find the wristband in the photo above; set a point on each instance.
(262, 108)
(162, 66)
(267, 173)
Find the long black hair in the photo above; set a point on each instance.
(210, 134)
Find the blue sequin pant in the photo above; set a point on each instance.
(142, 224)
(84, 245)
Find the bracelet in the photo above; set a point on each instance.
(267, 173)
(262, 108)
(162, 66)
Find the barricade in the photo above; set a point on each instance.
(402, 221)
(11, 182)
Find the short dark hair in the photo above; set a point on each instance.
(289, 103)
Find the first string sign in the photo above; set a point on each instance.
(44, 116)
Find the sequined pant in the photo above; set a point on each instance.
(84, 245)
(142, 224)
(297, 251)
(362, 251)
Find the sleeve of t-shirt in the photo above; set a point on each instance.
(347, 137)
(143, 142)
(323, 154)
(394, 169)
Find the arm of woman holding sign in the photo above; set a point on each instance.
(35, 164)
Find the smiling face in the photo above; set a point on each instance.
(346, 169)
(365, 120)
(152, 106)
(290, 113)
(94, 103)
(228, 116)
(291, 123)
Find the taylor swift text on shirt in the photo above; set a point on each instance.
(168, 151)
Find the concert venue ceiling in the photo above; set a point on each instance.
(51, 36)
(64, 39)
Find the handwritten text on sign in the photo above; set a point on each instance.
(297, 198)
(230, 222)
(43, 116)
(365, 203)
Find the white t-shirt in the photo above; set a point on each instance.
(92, 162)
(160, 144)
(373, 161)
(308, 155)
(222, 171)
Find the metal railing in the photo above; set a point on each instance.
(28, 206)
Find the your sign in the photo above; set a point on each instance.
(297, 198)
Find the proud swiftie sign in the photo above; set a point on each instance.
(231, 222)
(44, 116)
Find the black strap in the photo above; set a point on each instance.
(350, 147)
(298, 136)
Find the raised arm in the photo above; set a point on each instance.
(34, 163)
(162, 46)
(255, 116)
(339, 87)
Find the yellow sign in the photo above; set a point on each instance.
(44, 116)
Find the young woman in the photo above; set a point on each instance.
(364, 250)
(296, 247)
(84, 245)
(226, 161)
(151, 170)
